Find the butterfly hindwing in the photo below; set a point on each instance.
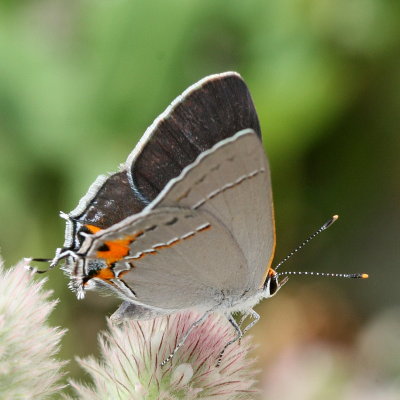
(175, 258)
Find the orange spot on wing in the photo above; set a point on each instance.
(93, 228)
(115, 250)
(105, 274)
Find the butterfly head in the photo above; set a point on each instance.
(272, 283)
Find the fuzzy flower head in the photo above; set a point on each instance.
(132, 354)
(28, 369)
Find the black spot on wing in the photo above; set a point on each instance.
(172, 221)
(103, 247)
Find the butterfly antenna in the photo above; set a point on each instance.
(325, 226)
(327, 274)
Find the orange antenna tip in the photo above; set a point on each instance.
(364, 276)
(330, 222)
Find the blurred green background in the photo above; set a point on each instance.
(81, 80)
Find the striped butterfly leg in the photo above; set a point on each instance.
(239, 335)
(256, 318)
(239, 332)
(186, 335)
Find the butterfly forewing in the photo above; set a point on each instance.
(232, 182)
(209, 111)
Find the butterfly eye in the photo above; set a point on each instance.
(273, 285)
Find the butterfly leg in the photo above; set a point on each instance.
(239, 335)
(252, 323)
(186, 335)
(239, 332)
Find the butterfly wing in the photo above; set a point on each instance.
(171, 258)
(207, 112)
(232, 182)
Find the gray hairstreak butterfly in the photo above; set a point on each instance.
(188, 221)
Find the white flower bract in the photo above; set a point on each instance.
(132, 353)
(28, 369)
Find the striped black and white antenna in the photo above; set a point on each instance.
(324, 227)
